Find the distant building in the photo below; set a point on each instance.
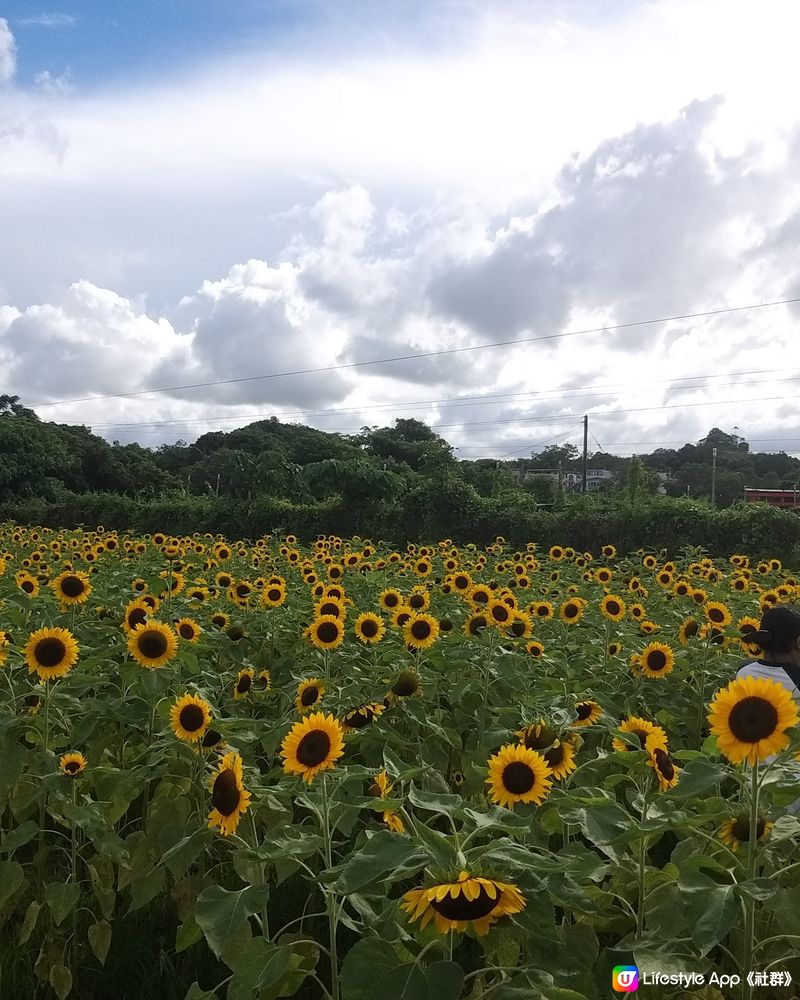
(595, 479)
(778, 498)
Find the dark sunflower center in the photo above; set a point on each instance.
(570, 611)
(72, 766)
(421, 629)
(49, 652)
(539, 737)
(390, 601)
(313, 748)
(518, 627)
(748, 630)
(218, 620)
(416, 601)
(27, 586)
(359, 718)
(664, 764)
(518, 778)
(555, 756)
(369, 628)
(405, 685)
(211, 738)
(500, 613)
(481, 597)
(461, 582)
(244, 683)
(192, 718)
(716, 615)
(152, 644)
(186, 631)
(542, 611)
(328, 632)
(225, 794)
(274, 595)
(72, 586)
(462, 908)
(753, 719)
(309, 696)
(330, 608)
(612, 607)
(137, 617)
(476, 624)
(656, 659)
(235, 632)
(741, 828)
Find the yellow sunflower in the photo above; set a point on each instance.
(326, 632)
(243, 684)
(152, 644)
(359, 718)
(229, 797)
(188, 629)
(613, 608)
(381, 788)
(560, 758)
(656, 660)
(406, 684)
(27, 583)
(136, 613)
(51, 653)
(470, 901)
(750, 718)
(717, 614)
(586, 714)
(572, 610)
(517, 774)
(71, 588)
(542, 610)
(642, 729)
(667, 771)
(72, 763)
(309, 694)
(190, 717)
(312, 745)
(369, 628)
(688, 630)
(736, 830)
(421, 631)
(390, 599)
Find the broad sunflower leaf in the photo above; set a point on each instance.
(61, 897)
(223, 913)
(19, 836)
(438, 802)
(100, 939)
(259, 965)
(385, 857)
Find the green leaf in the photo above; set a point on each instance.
(186, 851)
(29, 923)
(438, 802)
(371, 968)
(146, 888)
(100, 939)
(187, 934)
(698, 777)
(385, 857)
(60, 979)
(224, 914)
(11, 876)
(195, 992)
(757, 888)
(259, 965)
(19, 836)
(61, 897)
(711, 909)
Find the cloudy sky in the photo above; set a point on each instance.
(195, 192)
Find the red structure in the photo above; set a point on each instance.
(778, 498)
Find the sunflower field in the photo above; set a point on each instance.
(262, 769)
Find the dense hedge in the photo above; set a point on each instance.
(448, 509)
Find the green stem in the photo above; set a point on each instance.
(74, 875)
(750, 903)
(330, 895)
(642, 865)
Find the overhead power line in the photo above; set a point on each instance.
(573, 392)
(425, 354)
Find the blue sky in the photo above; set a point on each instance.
(101, 43)
(197, 190)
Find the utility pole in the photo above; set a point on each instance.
(585, 452)
(713, 476)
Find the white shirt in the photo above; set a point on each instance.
(768, 673)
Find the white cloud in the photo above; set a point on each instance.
(8, 53)
(52, 19)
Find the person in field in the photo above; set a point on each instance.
(778, 636)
